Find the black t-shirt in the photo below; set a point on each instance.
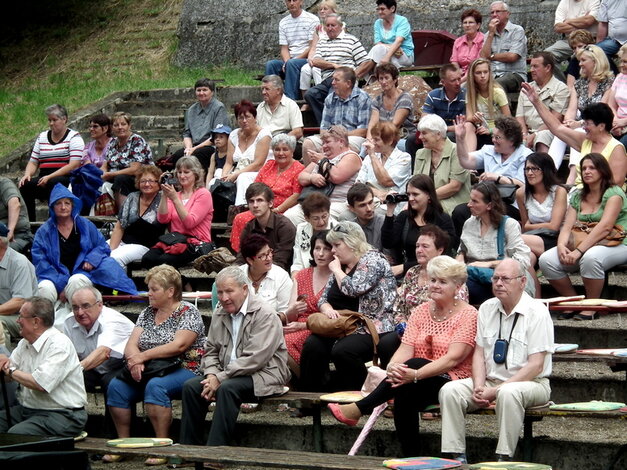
(70, 248)
(341, 301)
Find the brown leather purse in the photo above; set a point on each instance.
(581, 230)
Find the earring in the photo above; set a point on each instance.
(455, 297)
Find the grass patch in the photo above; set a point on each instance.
(110, 49)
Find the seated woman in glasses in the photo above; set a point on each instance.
(267, 280)
(363, 282)
(137, 228)
(479, 245)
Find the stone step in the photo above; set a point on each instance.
(155, 107)
(564, 443)
(578, 381)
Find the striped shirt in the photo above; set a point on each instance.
(296, 33)
(344, 50)
(53, 155)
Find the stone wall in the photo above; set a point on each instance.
(245, 32)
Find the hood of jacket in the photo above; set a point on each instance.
(61, 192)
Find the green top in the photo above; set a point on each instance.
(575, 202)
(448, 169)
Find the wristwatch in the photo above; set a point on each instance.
(492, 56)
(11, 370)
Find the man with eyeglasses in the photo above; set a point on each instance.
(17, 283)
(553, 93)
(511, 364)
(52, 399)
(506, 46)
(99, 335)
(277, 228)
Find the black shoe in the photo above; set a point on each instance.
(580, 317)
(566, 315)
(503, 458)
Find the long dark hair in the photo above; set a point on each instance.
(425, 184)
(603, 167)
(491, 195)
(549, 174)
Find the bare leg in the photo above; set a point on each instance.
(536, 244)
(161, 419)
(122, 420)
(594, 287)
(563, 286)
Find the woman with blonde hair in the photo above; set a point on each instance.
(168, 328)
(485, 101)
(363, 282)
(436, 348)
(593, 86)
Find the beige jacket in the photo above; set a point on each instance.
(261, 350)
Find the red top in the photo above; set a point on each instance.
(199, 214)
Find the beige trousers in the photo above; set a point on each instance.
(511, 401)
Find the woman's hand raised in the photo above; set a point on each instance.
(460, 127)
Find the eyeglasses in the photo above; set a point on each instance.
(24, 317)
(497, 138)
(504, 279)
(243, 117)
(78, 308)
(148, 181)
(265, 256)
(492, 12)
(340, 229)
(532, 169)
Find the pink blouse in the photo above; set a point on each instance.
(463, 53)
(199, 214)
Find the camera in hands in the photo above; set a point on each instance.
(396, 198)
(168, 178)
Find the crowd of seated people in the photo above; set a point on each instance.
(415, 241)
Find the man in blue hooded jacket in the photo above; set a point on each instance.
(70, 253)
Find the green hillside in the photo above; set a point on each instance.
(99, 48)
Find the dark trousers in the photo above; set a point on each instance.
(95, 381)
(461, 214)
(409, 400)
(348, 354)
(203, 154)
(156, 256)
(315, 97)
(30, 192)
(231, 394)
(478, 292)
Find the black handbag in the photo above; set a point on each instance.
(223, 194)
(173, 238)
(153, 368)
(324, 167)
(508, 192)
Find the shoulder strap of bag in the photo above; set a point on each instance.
(375, 338)
(500, 237)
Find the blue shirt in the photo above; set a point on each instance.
(352, 113)
(438, 103)
(400, 28)
(513, 167)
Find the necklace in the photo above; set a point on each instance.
(257, 282)
(446, 316)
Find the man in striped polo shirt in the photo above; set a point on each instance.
(295, 35)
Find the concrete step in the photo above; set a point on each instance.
(564, 443)
(155, 107)
(577, 381)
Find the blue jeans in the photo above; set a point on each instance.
(611, 47)
(158, 391)
(291, 75)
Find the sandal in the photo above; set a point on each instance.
(112, 458)
(566, 315)
(154, 461)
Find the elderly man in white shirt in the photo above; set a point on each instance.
(511, 364)
(52, 398)
(99, 335)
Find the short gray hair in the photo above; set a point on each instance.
(505, 5)
(56, 110)
(92, 289)
(232, 272)
(333, 15)
(279, 139)
(432, 123)
(273, 80)
(41, 308)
